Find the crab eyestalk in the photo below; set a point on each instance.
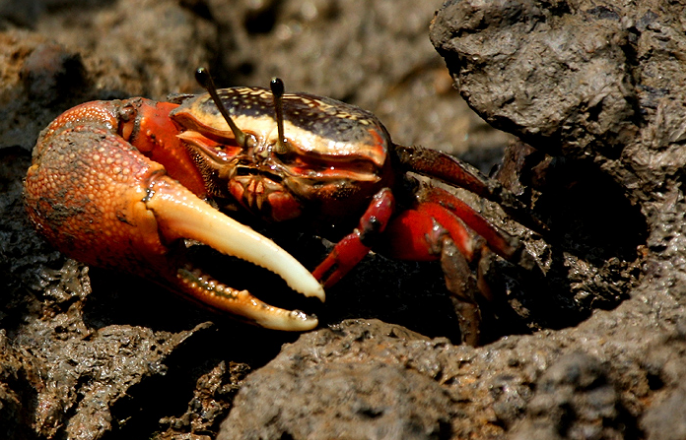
(205, 80)
(278, 91)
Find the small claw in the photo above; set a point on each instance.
(346, 255)
(354, 246)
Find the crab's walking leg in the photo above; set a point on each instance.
(502, 243)
(97, 199)
(438, 226)
(438, 165)
(355, 246)
(462, 284)
(430, 231)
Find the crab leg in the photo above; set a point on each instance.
(356, 245)
(449, 169)
(431, 231)
(499, 241)
(98, 200)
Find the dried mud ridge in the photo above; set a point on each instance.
(593, 350)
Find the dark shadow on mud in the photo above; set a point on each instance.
(187, 368)
(591, 253)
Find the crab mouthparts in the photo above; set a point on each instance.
(180, 214)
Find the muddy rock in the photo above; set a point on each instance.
(593, 87)
(573, 399)
(565, 384)
(592, 83)
(663, 420)
(340, 391)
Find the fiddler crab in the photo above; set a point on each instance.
(125, 185)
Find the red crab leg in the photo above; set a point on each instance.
(502, 243)
(408, 235)
(97, 199)
(449, 169)
(429, 232)
(355, 246)
(438, 165)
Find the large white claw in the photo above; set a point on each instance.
(180, 214)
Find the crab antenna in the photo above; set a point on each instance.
(205, 80)
(277, 91)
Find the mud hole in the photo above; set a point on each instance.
(594, 348)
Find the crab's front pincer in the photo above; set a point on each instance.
(97, 199)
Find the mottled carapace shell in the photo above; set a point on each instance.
(315, 126)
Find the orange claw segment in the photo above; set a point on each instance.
(155, 135)
(97, 199)
(103, 115)
(84, 202)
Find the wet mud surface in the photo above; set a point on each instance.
(590, 346)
